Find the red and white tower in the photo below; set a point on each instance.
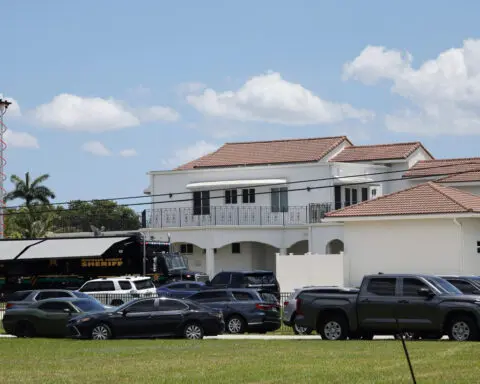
(3, 146)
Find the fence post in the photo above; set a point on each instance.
(179, 217)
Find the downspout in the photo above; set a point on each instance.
(462, 256)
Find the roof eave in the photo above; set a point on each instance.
(430, 216)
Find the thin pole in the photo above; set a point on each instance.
(3, 128)
(144, 255)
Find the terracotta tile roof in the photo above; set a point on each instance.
(395, 151)
(268, 152)
(424, 199)
(442, 167)
(465, 177)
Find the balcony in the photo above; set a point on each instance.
(235, 216)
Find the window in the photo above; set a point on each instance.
(89, 287)
(243, 296)
(411, 287)
(382, 286)
(338, 197)
(178, 286)
(89, 305)
(231, 196)
(186, 248)
(248, 195)
(347, 197)
(260, 278)
(171, 305)
(19, 295)
(105, 286)
(51, 295)
(56, 306)
(221, 278)
(478, 246)
(201, 202)
(364, 194)
(142, 306)
(144, 284)
(125, 285)
(279, 197)
(464, 286)
(210, 297)
(354, 196)
(235, 247)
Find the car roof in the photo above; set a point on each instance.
(117, 278)
(70, 299)
(248, 272)
(395, 275)
(230, 289)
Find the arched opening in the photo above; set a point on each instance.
(299, 248)
(194, 254)
(334, 247)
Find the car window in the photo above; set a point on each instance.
(81, 295)
(206, 297)
(171, 305)
(51, 295)
(144, 284)
(124, 285)
(142, 306)
(221, 278)
(382, 286)
(55, 306)
(259, 278)
(243, 296)
(464, 286)
(412, 285)
(178, 286)
(270, 297)
(89, 305)
(19, 295)
(237, 279)
(90, 287)
(105, 286)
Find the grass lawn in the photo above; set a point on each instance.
(229, 361)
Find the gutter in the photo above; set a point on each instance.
(462, 256)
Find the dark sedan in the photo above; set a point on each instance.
(244, 310)
(149, 318)
(46, 318)
(181, 289)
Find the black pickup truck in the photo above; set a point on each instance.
(389, 304)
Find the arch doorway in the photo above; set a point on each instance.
(334, 247)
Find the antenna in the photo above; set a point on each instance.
(400, 334)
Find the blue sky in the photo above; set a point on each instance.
(108, 90)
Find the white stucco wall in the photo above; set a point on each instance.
(401, 246)
(471, 235)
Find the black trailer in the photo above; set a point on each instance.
(70, 261)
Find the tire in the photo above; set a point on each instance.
(116, 303)
(24, 329)
(462, 328)
(301, 330)
(333, 327)
(101, 332)
(193, 331)
(235, 325)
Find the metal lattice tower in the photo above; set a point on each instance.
(3, 146)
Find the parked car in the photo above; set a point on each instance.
(149, 318)
(180, 289)
(244, 310)
(261, 280)
(469, 285)
(46, 318)
(28, 297)
(116, 291)
(387, 304)
(289, 306)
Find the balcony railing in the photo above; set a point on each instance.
(236, 216)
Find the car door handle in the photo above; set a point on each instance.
(365, 301)
(403, 301)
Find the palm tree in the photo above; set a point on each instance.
(30, 192)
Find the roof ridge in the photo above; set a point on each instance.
(386, 144)
(380, 198)
(456, 190)
(344, 137)
(451, 159)
(459, 173)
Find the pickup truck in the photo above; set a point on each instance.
(389, 304)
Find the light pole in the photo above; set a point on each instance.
(3, 145)
(144, 254)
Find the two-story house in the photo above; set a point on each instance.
(239, 205)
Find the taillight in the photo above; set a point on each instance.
(9, 305)
(266, 307)
(298, 307)
(285, 303)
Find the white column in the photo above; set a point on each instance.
(210, 262)
(283, 251)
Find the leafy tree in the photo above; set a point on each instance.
(33, 222)
(30, 191)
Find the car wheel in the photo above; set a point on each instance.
(298, 330)
(462, 328)
(24, 329)
(235, 325)
(333, 328)
(101, 332)
(193, 331)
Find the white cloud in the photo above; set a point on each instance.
(96, 148)
(95, 114)
(444, 93)
(16, 139)
(184, 155)
(270, 98)
(13, 109)
(192, 87)
(128, 152)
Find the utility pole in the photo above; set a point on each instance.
(3, 146)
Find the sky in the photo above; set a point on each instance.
(104, 91)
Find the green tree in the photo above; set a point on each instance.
(30, 191)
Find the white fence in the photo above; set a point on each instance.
(295, 271)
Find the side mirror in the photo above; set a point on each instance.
(425, 292)
(208, 283)
(67, 311)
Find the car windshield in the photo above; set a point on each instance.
(89, 305)
(81, 295)
(144, 284)
(260, 279)
(19, 295)
(268, 297)
(175, 261)
(444, 286)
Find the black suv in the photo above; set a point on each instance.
(262, 281)
(468, 285)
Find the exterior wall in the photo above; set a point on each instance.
(401, 246)
(322, 234)
(295, 271)
(471, 251)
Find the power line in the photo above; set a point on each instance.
(256, 193)
(171, 194)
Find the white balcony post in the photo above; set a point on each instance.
(210, 262)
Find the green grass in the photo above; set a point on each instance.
(228, 361)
